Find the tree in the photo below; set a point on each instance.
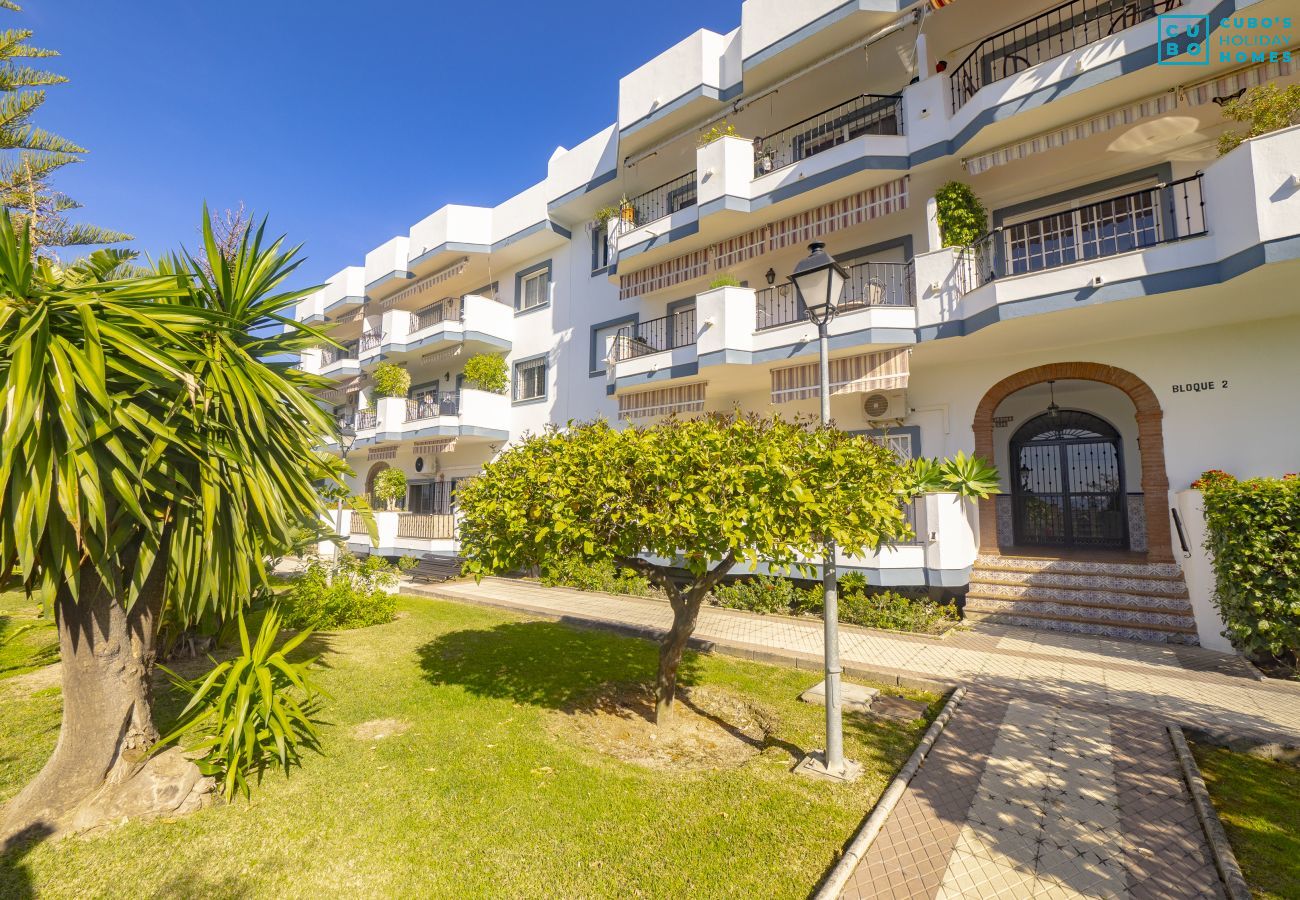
(1264, 109)
(29, 156)
(681, 503)
(151, 457)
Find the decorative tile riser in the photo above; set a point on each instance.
(1150, 570)
(1082, 597)
(1168, 588)
(1109, 631)
(1128, 617)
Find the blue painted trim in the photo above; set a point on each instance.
(594, 351)
(912, 431)
(700, 91)
(546, 381)
(486, 290)
(519, 282)
(904, 242)
(784, 352)
(345, 301)
(544, 225)
(600, 180)
(902, 576)
(821, 22)
(659, 240)
(395, 275)
(1163, 173)
(681, 370)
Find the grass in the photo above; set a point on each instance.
(24, 648)
(1258, 801)
(480, 797)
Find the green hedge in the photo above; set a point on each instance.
(859, 604)
(1254, 542)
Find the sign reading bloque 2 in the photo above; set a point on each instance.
(1198, 387)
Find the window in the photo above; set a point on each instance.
(530, 379)
(601, 335)
(534, 289)
(1086, 229)
(599, 247)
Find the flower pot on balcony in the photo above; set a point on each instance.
(627, 213)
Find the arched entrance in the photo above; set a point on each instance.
(1067, 482)
(370, 477)
(1150, 437)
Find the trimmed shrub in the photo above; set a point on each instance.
(487, 372)
(767, 594)
(895, 612)
(858, 604)
(962, 217)
(391, 380)
(1264, 109)
(726, 279)
(602, 576)
(390, 486)
(336, 596)
(1254, 542)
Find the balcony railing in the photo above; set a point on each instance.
(369, 341)
(330, 355)
(431, 406)
(367, 418)
(655, 336)
(1145, 218)
(666, 199)
(442, 311)
(866, 114)
(433, 527)
(868, 284)
(1054, 33)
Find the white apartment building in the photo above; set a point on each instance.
(1131, 318)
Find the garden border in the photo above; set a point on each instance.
(1225, 861)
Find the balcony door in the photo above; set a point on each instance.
(1087, 229)
(1068, 482)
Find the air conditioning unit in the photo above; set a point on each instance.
(880, 406)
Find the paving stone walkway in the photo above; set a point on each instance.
(1054, 779)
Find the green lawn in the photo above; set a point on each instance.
(34, 647)
(485, 794)
(1258, 801)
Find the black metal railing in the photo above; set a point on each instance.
(1054, 33)
(330, 355)
(655, 336)
(1155, 215)
(868, 284)
(430, 406)
(367, 418)
(865, 114)
(369, 341)
(444, 310)
(665, 200)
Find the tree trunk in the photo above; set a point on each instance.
(685, 612)
(107, 661)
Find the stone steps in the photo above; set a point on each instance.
(1134, 600)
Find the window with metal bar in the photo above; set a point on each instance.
(530, 379)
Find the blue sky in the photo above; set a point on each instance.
(346, 122)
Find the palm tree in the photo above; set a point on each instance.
(152, 456)
(29, 156)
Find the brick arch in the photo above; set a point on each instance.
(1151, 443)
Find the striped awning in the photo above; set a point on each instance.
(799, 229)
(351, 387)
(382, 453)
(441, 446)
(685, 398)
(1224, 87)
(881, 370)
(427, 282)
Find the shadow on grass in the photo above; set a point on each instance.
(15, 879)
(16, 650)
(543, 664)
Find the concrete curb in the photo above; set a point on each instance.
(755, 652)
(1224, 859)
(833, 885)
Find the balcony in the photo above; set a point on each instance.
(404, 533)
(868, 284)
(445, 310)
(1136, 221)
(367, 419)
(369, 342)
(478, 324)
(654, 336)
(1054, 33)
(465, 414)
(863, 115)
(432, 406)
(340, 361)
(664, 200)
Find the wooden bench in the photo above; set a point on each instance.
(436, 567)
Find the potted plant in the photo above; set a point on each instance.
(962, 217)
(487, 372)
(391, 380)
(726, 279)
(765, 158)
(717, 132)
(627, 212)
(604, 214)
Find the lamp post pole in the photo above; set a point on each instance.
(819, 282)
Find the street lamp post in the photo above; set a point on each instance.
(347, 437)
(819, 284)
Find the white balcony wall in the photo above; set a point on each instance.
(487, 316)
(349, 282)
(725, 318)
(524, 209)
(482, 409)
(386, 259)
(697, 61)
(391, 414)
(724, 168)
(948, 529)
(1252, 195)
(451, 224)
(570, 170)
(396, 326)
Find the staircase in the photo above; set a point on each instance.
(1133, 600)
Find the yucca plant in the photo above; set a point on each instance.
(971, 477)
(251, 712)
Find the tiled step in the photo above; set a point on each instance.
(1067, 581)
(1072, 626)
(993, 561)
(1082, 597)
(1161, 620)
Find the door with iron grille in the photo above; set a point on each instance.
(1068, 491)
